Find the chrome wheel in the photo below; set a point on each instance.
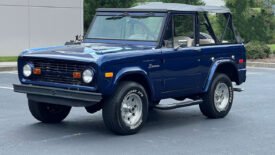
(221, 97)
(131, 110)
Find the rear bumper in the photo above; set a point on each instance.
(59, 96)
(242, 76)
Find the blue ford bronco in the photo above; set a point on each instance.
(131, 58)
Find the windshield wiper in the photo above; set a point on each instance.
(126, 14)
(150, 14)
(118, 16)
(115, 17)
(140, 17)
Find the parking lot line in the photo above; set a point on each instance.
(9, 88)
(9, 72)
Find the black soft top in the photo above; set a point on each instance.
(166, 7)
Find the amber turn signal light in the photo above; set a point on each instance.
(36, 71)
(76, 75)
(109, 74)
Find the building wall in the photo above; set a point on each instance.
(38, 23)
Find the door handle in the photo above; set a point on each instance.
(198, 50)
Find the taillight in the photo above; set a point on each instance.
(241, 61)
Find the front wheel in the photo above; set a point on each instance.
(218, 100)
(48, 113)
(126, 111)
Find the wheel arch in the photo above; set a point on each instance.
(138, 75)
(227, 67)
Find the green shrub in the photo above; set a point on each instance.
(8, 59)
(257, 50)
(272, 46)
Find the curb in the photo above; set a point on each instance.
(260, 64)
(8, 66)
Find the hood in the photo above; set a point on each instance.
(83, 52)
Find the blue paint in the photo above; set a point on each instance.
(170, 73)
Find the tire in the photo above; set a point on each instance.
(153, 104)
(48, 113)
(125, 112)
(217, 102)
(94, 108)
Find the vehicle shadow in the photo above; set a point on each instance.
(92, 126)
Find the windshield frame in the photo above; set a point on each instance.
(133, 14)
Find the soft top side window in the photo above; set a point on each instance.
(216, 29)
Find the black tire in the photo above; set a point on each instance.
(48, 113)
(112, 113)
(208, 106)
(94, 108)
(153, 104)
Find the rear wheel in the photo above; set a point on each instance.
(218, 100)
(126, 111)
(48, 113)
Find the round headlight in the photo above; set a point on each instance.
(27, 70)
(88, 76)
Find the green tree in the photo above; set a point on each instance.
(90, 6)
(192, 2)
(253, 19)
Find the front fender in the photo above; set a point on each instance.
(127, 71)
(130, 71)
(213, 69)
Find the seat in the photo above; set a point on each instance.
(188, 40)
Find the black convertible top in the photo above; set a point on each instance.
(165, 7)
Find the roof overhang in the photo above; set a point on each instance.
(168, 7)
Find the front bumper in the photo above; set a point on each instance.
(58, 96)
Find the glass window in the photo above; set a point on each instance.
(144, 28)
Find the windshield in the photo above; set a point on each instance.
(143, 28)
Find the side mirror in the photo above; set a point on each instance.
(168, 43)
(78, 38)
(77, 41)
(182, 43)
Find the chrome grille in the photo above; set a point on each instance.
(55, 71)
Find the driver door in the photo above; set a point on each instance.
(182, 71)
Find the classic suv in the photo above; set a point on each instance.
(130, 59)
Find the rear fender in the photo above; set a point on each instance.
(213, 69)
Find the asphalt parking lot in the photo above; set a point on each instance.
(248, 129)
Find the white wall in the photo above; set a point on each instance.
(38, 23)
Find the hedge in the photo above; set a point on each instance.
(257, 50)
